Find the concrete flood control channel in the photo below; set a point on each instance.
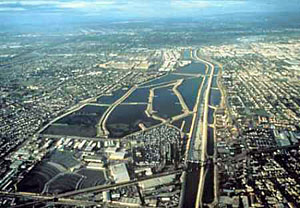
(215, 97)
(196, 174)
(191, 185)
(207, 144)
(210, 141)
(211, 113)
(208, 197)
(130, 110)
(208, 193)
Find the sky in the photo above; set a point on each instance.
(34, 10)
(143, 8)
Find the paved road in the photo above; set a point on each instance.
(111, 186)
(63, 198)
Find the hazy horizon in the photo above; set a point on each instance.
(56, 11)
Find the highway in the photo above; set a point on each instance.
(53, 136)
(96, 189)
(100, 188)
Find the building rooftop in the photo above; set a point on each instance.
(120, 173)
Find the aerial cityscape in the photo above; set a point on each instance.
(175, 103)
